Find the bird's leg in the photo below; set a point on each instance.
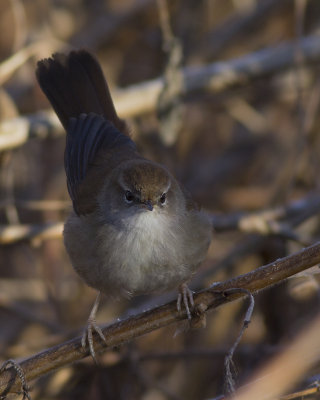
(92, 326)
(185, 296)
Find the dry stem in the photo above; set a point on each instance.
(143, 97)
(126, 330)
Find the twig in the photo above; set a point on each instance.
(219, 76)
(263, 221)
(124, 331)
(285, 178)
(38, 205)
(19, 14)
(19, 374)
(301, 394)
(266, 222)
(15, 132)
(14, 233)
(169, 105)
(142, 98)
(11, 64)
(228, 362)
(167, 34)
(283, 371)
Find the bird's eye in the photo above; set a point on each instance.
(163, 198)
(129, 197)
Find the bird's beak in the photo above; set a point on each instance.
(148, 205)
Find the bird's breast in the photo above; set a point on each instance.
(148, 253)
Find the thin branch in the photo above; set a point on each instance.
(124, 331)
(263, 222)
(13, 233)
(283, 371)
(38, 205)
(301, 394)
(274, 221)
(17, 131)
(170, 110)
(20, 25)
(228, 362)
(20, 374)
(9, 66)
(219, 76)
(142, 98)
(165, 23)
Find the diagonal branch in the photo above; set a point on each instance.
(124, 331)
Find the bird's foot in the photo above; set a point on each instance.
(87, 337)
(92, 326)
(185, 296)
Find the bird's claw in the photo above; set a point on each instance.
(87, 337)
(92, 327)
(185, 296)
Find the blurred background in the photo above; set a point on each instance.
(243, 138)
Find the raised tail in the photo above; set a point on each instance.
(74, 84)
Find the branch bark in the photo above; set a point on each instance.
(124, 331)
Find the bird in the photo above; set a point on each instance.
(133, 228)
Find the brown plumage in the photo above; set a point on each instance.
(134, 228)
(74, 85)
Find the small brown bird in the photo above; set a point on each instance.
(134, 229)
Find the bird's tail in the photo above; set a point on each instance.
(74, 84)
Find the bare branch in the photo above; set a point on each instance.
(142, 98)
(15, 132)
(11, 64)
(302, 393)
(263, 222)
(219, 76)
(274, 221)
(14, 233)
(124, 331)
(38, 205)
